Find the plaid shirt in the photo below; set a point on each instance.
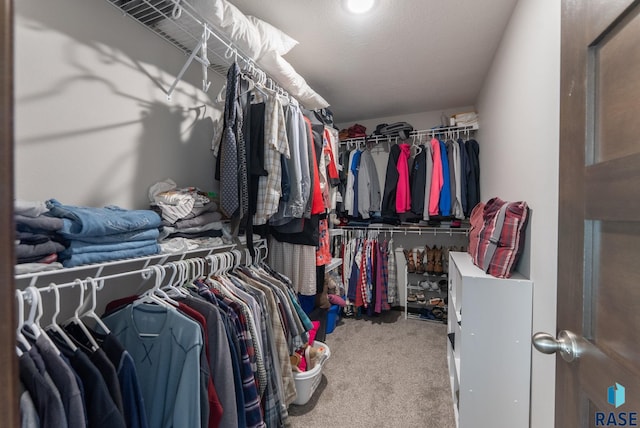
(392, 282)
(384, 269)
(273, 397)
(280, 341)
(252, 409)
(361, 297)
(249, 334)
(276, 145)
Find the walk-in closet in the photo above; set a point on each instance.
(229, 213)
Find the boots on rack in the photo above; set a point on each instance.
(437, 260)
(445, 258)
(420, 261)
(430, 259)
(411, 266)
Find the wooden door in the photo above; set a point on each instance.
(8, 382)
(599, 218)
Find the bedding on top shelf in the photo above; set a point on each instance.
(257, 39)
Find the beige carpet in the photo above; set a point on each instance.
(384, 372)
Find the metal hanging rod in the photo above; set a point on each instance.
(413, 135)
(410, 229)
(147, 271)
(96, 270)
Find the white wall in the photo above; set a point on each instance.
(93, 123)
(519, 110)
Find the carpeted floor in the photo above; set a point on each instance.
(384, 372)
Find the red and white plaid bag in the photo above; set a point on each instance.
(496, 237)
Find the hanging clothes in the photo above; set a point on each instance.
(444, 204)
(473, 178)
(165, 346)
(227, 171)
(418, 179)
(428, 177)
(276, 144)
(437, 180)
(369, 197)
(403, 191)
(369, 274)
(464, 173)
(391, 183)
(456, 201)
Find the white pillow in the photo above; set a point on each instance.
(291, 81)
(237, 27)
(272, 38)
(227, 19)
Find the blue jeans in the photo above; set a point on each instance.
(133, 236)
(86, 258)
(79, 247)
(86, 221)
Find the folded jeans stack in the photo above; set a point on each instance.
(97, 235)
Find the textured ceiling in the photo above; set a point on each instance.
(404, 56)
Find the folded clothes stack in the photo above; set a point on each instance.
(186, 212)
(94, 235)
(37, 243)
(465, 119)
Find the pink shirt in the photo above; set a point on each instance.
(436, 178)
(403, 193)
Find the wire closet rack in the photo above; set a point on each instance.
(180, 24)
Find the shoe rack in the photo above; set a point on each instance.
(422, 266)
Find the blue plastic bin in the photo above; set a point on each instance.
(333, 316)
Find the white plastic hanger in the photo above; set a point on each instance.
(19, 336)
(174, 286)
(158, 292)
(76, 317)
(32, 324)
(54, 326)
(33, 297)
(91, 312)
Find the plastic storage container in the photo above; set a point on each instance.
(307, 382)
(333, 316)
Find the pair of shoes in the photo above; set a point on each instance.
(412, 297)
(420, 262)
(429, 285)
(436, 301)
(438, 313)
(437, 260)
(347, 311)
(411, 265)
(430, 259)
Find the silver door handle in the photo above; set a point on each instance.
(566, 344)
